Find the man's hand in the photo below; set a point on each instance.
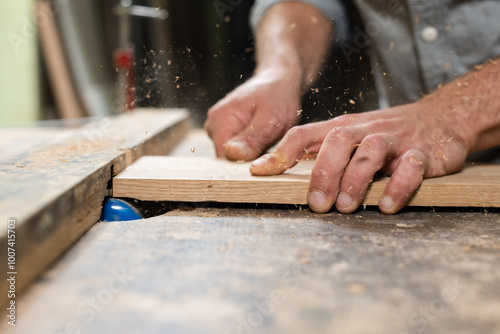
(255, 115)
(428, 138)
(409, 142)
(292, 42)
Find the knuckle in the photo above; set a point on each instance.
(373, 142)
(320, 174)
(341, 134)
(274, 121)
(414, 159)
(296, 132)
(343, 119)
(230, 103)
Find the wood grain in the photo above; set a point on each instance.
(206, 179)
(55, 191)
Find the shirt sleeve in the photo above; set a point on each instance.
(333, 9)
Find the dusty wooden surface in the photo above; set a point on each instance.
(195, 179)
(275, 270)
(206, 268)
(54, 181)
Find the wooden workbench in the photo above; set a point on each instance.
(217, 268)
(54, 176)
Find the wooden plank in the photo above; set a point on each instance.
(54, 192)
(205, 179)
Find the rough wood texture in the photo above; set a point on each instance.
(275, 270)
(55, 191)
(205, 179)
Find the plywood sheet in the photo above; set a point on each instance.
(207, 179)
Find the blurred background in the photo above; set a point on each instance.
(71, 59)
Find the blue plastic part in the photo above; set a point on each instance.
(119, 210)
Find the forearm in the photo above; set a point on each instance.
(472, 103)
(293, 38)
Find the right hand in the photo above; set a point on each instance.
(424, 139)
(254, 116)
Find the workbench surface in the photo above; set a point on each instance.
(217, 268)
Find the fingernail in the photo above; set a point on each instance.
(344, 200)
(242, 148)
(261, 162)
(317, 199)
(387, 202)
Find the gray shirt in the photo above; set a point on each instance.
(414, 45)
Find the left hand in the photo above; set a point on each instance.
(409, 142)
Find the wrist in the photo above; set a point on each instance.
(451, 120)
(288, 73)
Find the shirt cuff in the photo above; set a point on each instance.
(332, 9)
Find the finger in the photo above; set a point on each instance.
(224, 121)
(264, 130)
(371, 155)
(406, 178)
(330, 165)
(297, 141)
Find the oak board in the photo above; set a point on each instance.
(193, 179)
